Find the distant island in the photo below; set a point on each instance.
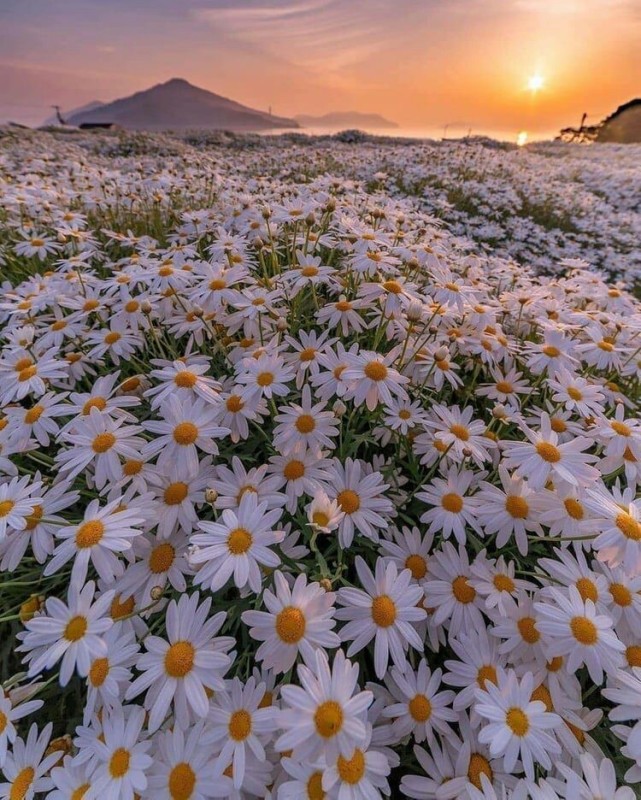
(177, 105)
(345, 119)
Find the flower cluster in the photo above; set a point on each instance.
(300, 498)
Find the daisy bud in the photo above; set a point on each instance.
(412, 263)
(441, 354)
(310, 219)
(400, 220)
(499, 411)
(61, 238)
(156, 592)
(414, 311)
(467, 452)
(330, 205)
(60, 745)
(211, 495)
(192, 550)
(30, 607)
(339, 408)
(257, 242)
(282, 324)
(266, 213)
(326, 584)
(198, 312)
(145, 307)
(433, 329)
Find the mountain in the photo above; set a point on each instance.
(623, 126)
(345, 119)
(53, 119)
(178, 105)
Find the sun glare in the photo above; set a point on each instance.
(535, 83)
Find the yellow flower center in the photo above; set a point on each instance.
(349, 501)
(185, 379)
(328, 719)
(119, 763)
(527, 630)
(234, 404)
(240, 725)
(239, 541)
(503, 583)
(175, 493)
(315, 787)
(573, 508)
(33, 414)
(185, 433)
(351, 770)
(551, 352)
(94, 402)
(132, 306)
(80, 792)
(294, 470)
(179, 659)
(132, 467)
(27, 374)
(587, 589)
(305, 423)
(452, 502)
(517, 721)
(621, 595)
(161, 558)
(628, 526)
(548, 452)
(112, 337)
(420, 708)
(6, 506)
(584, 630)
(75, 628)
(90, 533)
(22, 783)
(486, 673)
(417, 566)
(383, 611)
(375, 371)
(478, 766)
(308, 354)
(517, 506)
(99, 671)
(393, 287)
(182, 780)
(574, 393)
(542, 694)
(290, 625)
(555, 664)
(633, 655)
(264, 379)
(119, 610)
(462, 590)
(320, 518)
(343, 305)
(103, 442)
(460, 431)
(621, 428)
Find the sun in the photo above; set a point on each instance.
(535, 83)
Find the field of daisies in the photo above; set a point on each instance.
(318, 469)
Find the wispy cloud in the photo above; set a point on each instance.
(323, 37)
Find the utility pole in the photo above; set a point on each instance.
(59, 115)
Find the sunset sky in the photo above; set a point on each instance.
(422, 63)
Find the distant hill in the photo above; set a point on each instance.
(178, 105)
(345, 119)
(624, 126)
(53, 119)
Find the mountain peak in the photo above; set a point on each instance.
(179, 105)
